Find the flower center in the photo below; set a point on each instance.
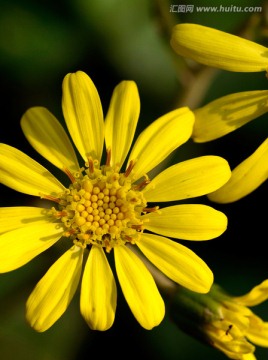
(101, 207)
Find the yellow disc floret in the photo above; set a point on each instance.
(101, 207)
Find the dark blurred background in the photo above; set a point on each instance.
(114, 40)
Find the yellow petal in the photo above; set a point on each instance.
(19, 246)
(235, 348)
(98, 291)
(256, 296)
(12, 218)
(187, 222)
(218, 49)
(228, 113)
(121, 120)
(21, 173)
(160, 138)
(248, 357)
(177, 262)
(83, 114)
(246, 177)
(139, 288)
(259, 335)
(54, 292)
(188, 179)
(47, 136)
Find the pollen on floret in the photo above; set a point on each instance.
(102, 206)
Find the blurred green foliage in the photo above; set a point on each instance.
(113, 40)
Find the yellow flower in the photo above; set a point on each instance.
(223, 321)
(218, 49)
(104, 210)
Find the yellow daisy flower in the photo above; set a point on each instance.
(223, 321)
(103, 210)
(218, 49)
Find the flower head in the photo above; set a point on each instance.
(218, 49)
(223, 321)
(104, 209)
